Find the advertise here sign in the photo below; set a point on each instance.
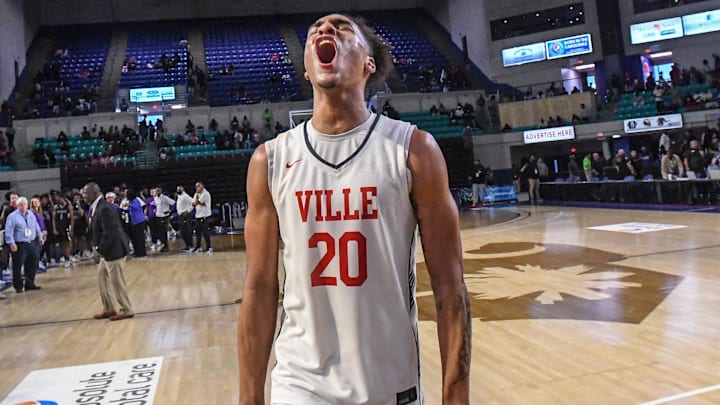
(131, 382)
(657, 123)
(549, 134)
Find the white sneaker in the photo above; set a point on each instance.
(67, 264)
(209, 251)
(192, 250)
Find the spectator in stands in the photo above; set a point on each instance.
(664, 144)
(50, 155)
(246, 124)
(85, 134)
(442, 110)
(638, 99)
(650, 83)
(62, 137)
(124, 106)
(659, 96)
(267, 119)
(189, 127)
(10, 134)
(584, 113)
(279, 128)
(39, 158)
(671, 166)
(694, 159)
(575, 90)
(434, 111)
(219, 143)
(234, 124)
(507, 128)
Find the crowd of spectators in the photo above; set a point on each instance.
(117, 144)
(665, 157)
(52, 89)
(430, 79)
(239, 134)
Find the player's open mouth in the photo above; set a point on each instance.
(326, 51)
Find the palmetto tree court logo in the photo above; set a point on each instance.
(554, 281)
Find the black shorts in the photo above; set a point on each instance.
(63, 234)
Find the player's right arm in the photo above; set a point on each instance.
(258, 311)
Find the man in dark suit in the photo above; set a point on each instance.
(112, 247)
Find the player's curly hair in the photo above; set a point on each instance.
(379, 50)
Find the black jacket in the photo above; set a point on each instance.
(108, 235)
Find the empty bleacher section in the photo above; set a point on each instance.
(68, 82)
(146, 67)
(248, 62)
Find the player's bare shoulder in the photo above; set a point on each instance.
(424, 154)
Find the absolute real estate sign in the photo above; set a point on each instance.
(658, 30)
(549, 134)
(656, 123)
(130, 382)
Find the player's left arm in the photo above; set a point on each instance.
(440, 235)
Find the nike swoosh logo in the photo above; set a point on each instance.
(289, 165)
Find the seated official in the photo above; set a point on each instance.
(671, 167)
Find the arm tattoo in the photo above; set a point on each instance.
(466, 348)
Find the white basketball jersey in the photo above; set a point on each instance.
(349, 327)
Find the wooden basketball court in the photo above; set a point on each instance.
(563, 314)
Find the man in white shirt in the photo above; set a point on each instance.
(203, 213)
(184, 208)
(163, 205)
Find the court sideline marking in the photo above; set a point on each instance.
(683, 395)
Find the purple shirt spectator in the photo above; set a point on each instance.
(40, 220)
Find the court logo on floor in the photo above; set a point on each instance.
(509, 281)
(119, 382)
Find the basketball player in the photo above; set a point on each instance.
(346, 192)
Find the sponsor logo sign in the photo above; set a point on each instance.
(570, 46)
(658, 30)
(656, 123)
(130, 382)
